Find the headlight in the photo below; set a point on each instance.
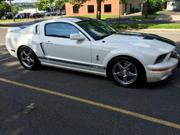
(174, 54)
(161, 58)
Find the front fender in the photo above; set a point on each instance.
(117, 53)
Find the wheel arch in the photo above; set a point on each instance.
(36, 62)
(18, 49)
(108, 66)
(22, 46)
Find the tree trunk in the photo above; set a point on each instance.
(145, 10)
(120, 9)
(98, 14)
(10, 3)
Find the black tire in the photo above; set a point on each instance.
(130, 71)
(28, 58)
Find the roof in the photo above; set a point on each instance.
(74, 19)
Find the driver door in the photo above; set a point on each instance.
(57, 44)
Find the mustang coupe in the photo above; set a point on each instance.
(91, 46)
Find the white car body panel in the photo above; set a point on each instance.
(90, 55)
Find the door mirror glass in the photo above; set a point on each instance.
(77, 36)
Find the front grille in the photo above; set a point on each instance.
(161, 58)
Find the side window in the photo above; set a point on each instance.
(60, 30)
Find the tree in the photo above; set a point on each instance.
(155, 5)
(4, 7)
(152, 6)
(59, 4)
(51, 4)
(121, 2)
(43, 4)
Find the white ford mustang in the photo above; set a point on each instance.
(92, 46)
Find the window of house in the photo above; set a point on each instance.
(107, 8)
(75, 9)
(90, 8)
(63, 30)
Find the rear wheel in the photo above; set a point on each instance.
(126, 72)
(28, 58)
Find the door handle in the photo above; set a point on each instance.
(48, 42)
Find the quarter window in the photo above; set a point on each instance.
(107, 8)
(60, 30)
(90, 8)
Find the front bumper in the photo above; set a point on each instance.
(161, 71)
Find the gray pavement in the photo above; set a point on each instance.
(173, 16)
(55, 114)
(53, 101)
(3, 32)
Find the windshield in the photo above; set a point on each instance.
(96, 29)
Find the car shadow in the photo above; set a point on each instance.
(160, 84)
(142, 86)
(70, 72)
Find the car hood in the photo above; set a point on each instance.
(141, 40)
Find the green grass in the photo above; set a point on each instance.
(166, 26)
(145, 26)
(142, 18)
(16, 20)
(103, 17)
(110, 16)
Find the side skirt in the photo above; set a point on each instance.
(74, 67)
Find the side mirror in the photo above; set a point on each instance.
(78, 37)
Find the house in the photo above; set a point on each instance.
(173, 5)
(108, 7)
(27, 4)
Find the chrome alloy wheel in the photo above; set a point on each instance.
(27, 58)
(125, 72)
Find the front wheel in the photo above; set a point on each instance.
(28, 58)
(126, 72)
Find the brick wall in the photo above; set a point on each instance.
(84, 9)
(116, 8)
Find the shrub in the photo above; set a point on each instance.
(155, 5)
